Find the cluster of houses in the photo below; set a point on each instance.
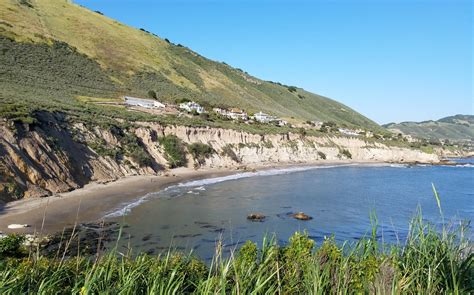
(238, 114)
(265, 118)
(232, 113)
(154, 104)
(194, 107)
(191, 107)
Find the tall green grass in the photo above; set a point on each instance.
(428, 262)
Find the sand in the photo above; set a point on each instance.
(92, 202)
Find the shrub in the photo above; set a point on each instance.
(229, 152)
(322, 155)
(10, 246)
(26, 3)
(267, 144)
(174, 150)
(291, 88)
(13, 190)
(204, 116)
(152, 94)
(141, 157)
(296, 256)
(346, 154)
(302, 132)
(182, 100)
(247, 254)
(200, 152)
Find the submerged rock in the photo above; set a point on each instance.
(256, 217)
(302, 216)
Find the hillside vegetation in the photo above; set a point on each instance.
(53, 51)
(456, 128)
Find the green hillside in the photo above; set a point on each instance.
(453, 128)
(53, 51)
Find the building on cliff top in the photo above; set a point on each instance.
(192, 106)
(143, 102)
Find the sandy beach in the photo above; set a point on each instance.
(92, 202)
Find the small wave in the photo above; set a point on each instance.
(398, 165)
(458, 166)
(127, 207)
(270, 172)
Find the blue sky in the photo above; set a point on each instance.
(392, 60)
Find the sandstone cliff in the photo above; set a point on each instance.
(56, 155)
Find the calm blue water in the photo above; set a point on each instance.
(340, 200)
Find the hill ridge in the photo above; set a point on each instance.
(135, 61)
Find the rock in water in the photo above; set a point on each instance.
(256, 217)
(16, 226)
(302, 216)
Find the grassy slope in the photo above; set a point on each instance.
(130, 61)
(455, 128)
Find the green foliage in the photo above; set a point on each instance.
(247, 254)
(295, 257)
(228, 151)
(429, 262)
(11, 246)
(14, 190)
(26, 3)
(321, 155)
(200, 152)
(101, 148)
(17, 113)
(174, 150)
(302, 132)
(345, 153)
(141, 157)
(267, 144)
(291, 88)
(152, 94)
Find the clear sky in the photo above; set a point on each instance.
(392, 60)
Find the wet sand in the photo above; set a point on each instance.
(92, 202)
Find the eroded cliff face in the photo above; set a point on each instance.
(55, 155)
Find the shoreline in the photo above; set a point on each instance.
(94, 201)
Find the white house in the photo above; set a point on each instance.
(233, 113)
(263, 118)
(237, 114)
(142, 102)
(281, 122)
(191, 106)
(220, 111)
(348, 132)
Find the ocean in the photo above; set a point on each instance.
(340, 199)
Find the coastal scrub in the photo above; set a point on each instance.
(428, 262)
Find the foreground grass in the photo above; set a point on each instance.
(429, 262)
